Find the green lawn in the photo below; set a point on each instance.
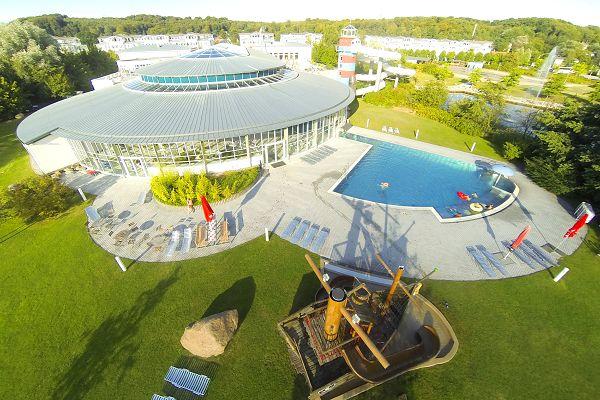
(429, 131)
(14, 163)
(73, 326)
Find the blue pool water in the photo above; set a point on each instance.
(419, 179)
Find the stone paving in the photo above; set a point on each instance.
(359, 230)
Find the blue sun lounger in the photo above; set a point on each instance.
(92, 214)
(318, 243)
(520, 255)
(299, 234)
(187, 240)
(481, 260)
(291, 227)
(310, 235)
(184, 379)
(159, 397)
(173, 243)
(533, 255)
(492, 259)
(540, 252)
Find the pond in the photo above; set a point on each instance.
(514, 115)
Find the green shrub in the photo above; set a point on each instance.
(461, 124)
(511, 151)
(170, 188)
(38, 198)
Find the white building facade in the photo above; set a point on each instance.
(117, 43)
(305, 38)
(249, 39)
(134, 58)
(295, 55)
(70, 44)
(436, 45)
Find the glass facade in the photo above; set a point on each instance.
(270, 146)
(209, 78)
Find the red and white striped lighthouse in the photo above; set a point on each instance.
(347, 55)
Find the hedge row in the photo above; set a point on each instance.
(173, 189)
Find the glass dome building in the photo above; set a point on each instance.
(216, 109)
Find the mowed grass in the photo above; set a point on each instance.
(14, 162)
(73, 326)
(429, 131)
(79, 328)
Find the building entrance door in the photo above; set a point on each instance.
(274, 152)
(134, 166)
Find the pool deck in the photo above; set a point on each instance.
(359, 230)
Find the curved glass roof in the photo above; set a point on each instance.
(216, 60)
(210, 82)
(211, 52)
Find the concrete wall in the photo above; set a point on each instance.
(51, 153)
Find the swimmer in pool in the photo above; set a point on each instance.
(384, 185)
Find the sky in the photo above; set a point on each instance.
(580, 12)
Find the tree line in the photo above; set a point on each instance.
(34, 71)
(532, 37)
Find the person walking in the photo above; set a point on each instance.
(190, 205)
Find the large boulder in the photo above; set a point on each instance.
(209, 336)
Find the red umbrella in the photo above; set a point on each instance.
(209, 214)
(576, 227)
(517, 242)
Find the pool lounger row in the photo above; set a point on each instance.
(520, 255)
(541, 252)
(481, 260)
(303, 234)
(534, 256)
(492, 259)
(188, 380)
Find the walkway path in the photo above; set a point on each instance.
(414, 238)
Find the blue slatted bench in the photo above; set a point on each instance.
(159, 397)
(318, 243)
(481, 260)
(492, 259)
(184, 379)
(291, 227)
(299, 234)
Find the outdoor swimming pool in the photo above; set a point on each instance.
(420, 179)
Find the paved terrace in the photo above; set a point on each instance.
(359, 230)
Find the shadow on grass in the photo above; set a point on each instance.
(301, 390)
(15, 232)
(239, 296)
(110, 345)
(305, 294)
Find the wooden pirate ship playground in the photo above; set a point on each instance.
(355, 337)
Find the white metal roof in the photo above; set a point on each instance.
(119, 115)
